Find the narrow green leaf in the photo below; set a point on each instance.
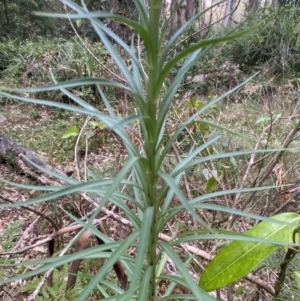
(144, 238)
(178, 297)
(102, 32)
(173, 88)
(174, 187)
(166, 204)
(165, 107)
(228, 155)
(115, 256)
(263, 119)
(112, 286)
(197, 46)
(54, 262)
(184, 162)
(144, 287)
(239, 258)
(88, 111)
(232, 237)
(85, 186)
(197, 203)
(297, 276)
(77, 99)
(172, 285)
(86, 81)
(187, 279)
(225, 192)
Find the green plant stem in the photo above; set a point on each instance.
(153, 93)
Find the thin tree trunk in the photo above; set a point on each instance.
(227, 13)
(252, 5)
(189, 9)
(6, 13)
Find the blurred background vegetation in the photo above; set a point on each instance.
(29, 42)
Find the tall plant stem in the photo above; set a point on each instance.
(153, 93)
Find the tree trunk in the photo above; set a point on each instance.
(175, 15)
(189, 9)
(227, 13)
(252, 6)
(6, 13)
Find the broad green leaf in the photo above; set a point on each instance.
(233, 162)
(70, 132)
(79, 22)
(239, 258)
(211, 185)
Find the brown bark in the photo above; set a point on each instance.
(13, 153)
(189, 9)
(81, 244)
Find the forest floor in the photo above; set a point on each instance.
(258, 119)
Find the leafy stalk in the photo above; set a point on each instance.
(152, 188)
